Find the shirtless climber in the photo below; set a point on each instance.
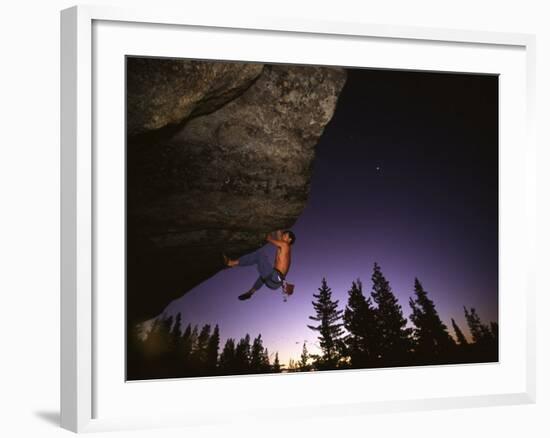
(272, 276)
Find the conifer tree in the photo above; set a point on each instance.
(227, 357)
(194, 339)
(200, 350)
(276, 363)
(461, 339)
(242, 355)
(203, 338)
(360, 323)
(212, 350)
(329, 327)
(176, 329)
(257, 355)
(432, 340)
(485, 338)
(185, 347)
(173, 359)
(266, 367)
(480, 332)
(304, 359)
(194, 354)
(394, 337)
(167, 323)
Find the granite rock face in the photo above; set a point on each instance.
(163, 92)
(217, 158)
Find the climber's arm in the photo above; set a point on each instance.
(277, 235)
(278, 243)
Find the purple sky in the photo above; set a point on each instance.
(406, 174)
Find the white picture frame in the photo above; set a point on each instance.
(86, 381)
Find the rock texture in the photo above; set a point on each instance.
(219, 154)
(163, 92)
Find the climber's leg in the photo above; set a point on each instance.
(263, 265)
(258, 258)
(257, 285)
(249, 259)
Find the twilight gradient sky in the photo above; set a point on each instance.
(406, 174)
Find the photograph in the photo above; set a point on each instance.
(288, 218)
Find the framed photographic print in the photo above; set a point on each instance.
(342, 211)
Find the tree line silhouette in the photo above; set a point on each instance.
(370, 332)
(376, 333)
(167, 352)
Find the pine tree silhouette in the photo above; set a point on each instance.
(257, 356)
(461, 339)
(394, 337)
(227, 362)
(202, 343)
(479, 331)
(485, 338)
(432, 340)
(173, 360)
(185, 347)
(212, 351)
(304, 358)
(276, 364)
(329, 328)
(242, 355)
(193, 339)
(266, 367)
(176, 329)
(360, 323)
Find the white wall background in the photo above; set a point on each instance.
(29, 216)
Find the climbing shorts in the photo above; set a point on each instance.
(274, 280)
